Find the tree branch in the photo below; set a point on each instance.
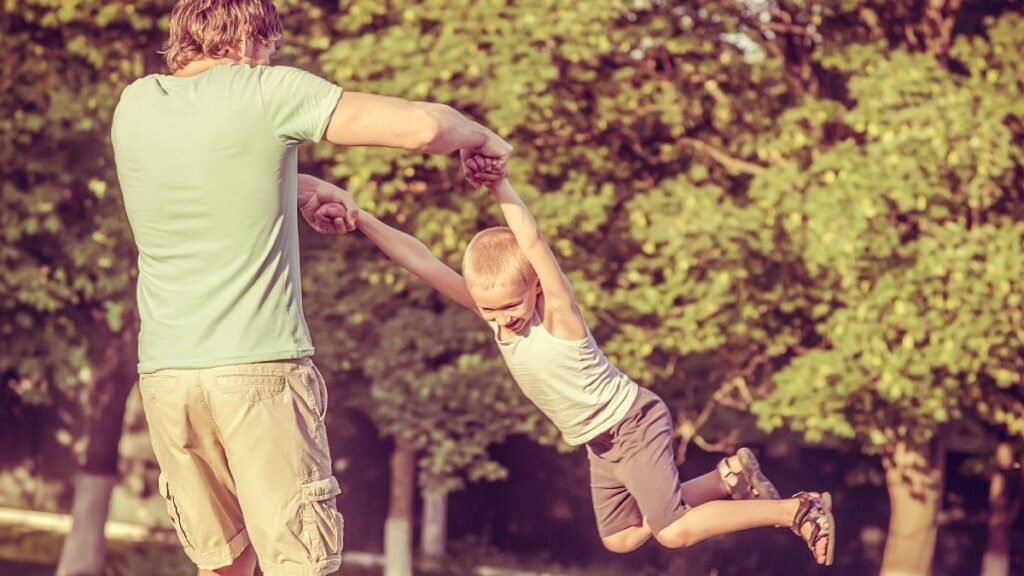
(730, 163)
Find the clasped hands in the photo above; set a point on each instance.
(330, 209)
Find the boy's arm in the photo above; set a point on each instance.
(402, 248)
(559, 301)
(411, 254)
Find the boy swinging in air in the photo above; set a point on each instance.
(514, 283)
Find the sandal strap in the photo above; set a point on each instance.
(807, 503)
(730, 478)
(737, 483)
(810, 510)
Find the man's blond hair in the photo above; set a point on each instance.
(493, 258)
(211, 28)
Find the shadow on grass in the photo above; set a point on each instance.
(32, 552)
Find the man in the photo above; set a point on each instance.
(206, 158)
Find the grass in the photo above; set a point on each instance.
(31, 552)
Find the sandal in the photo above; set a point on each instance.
(749, 483)
(818, 511)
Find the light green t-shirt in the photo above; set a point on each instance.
(207, 166)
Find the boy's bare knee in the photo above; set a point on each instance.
(676, 537)
(620, 546)
(621, 543)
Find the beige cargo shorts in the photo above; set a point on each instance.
(244, 459)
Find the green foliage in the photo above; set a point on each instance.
(908, 220)
(808, 211)
(66, 252)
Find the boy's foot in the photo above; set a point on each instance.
(743, 477)
(814, 523)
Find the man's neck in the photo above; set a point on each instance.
(197, 67)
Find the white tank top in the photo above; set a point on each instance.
(571, 381)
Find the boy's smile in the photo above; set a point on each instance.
(510, 307)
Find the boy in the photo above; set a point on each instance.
(514, 283)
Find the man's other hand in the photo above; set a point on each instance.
(326, 207)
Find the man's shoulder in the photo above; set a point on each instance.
(139, 87)
(134, 85)
(131, 93)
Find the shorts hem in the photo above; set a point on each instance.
(657, 527)
(221, 556)
(614, 528)
(324, 568)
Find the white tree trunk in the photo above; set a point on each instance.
(434, 536)
(996, 561)
(85, 548)
(398, 525)
(113, 366)
(914, 478)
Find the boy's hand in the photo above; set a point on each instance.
(326, 207)
(494, 148)
(484, 171)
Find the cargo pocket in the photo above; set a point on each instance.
(322, 525)
(172, 511)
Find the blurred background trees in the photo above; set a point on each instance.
(797, 221)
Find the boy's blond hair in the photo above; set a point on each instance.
(493, 258)
(211, 28)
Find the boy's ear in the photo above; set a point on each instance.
(536, 286)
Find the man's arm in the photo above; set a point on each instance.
(414, 256)
(560, 309)
(370, 120)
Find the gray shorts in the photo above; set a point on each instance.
(633, 473)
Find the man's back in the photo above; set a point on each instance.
(207, 165)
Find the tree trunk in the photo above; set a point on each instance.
(113, 375)
(996, 561)
(398, 525)
(914, 478)
(85, 547)
(434, 536)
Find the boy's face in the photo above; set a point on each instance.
(511, 307)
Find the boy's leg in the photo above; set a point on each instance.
(706, 488)
(619, 523)
(646, 467)
(636, 452)
(728, 516)
(738, 476)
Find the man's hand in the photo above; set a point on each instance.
(326, 207)
(491, 158)
(483, 171)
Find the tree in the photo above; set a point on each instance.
(66, 315)
(907, 222)
(1004, 505)
(804, 211)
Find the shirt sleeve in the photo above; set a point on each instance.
(298, 104)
